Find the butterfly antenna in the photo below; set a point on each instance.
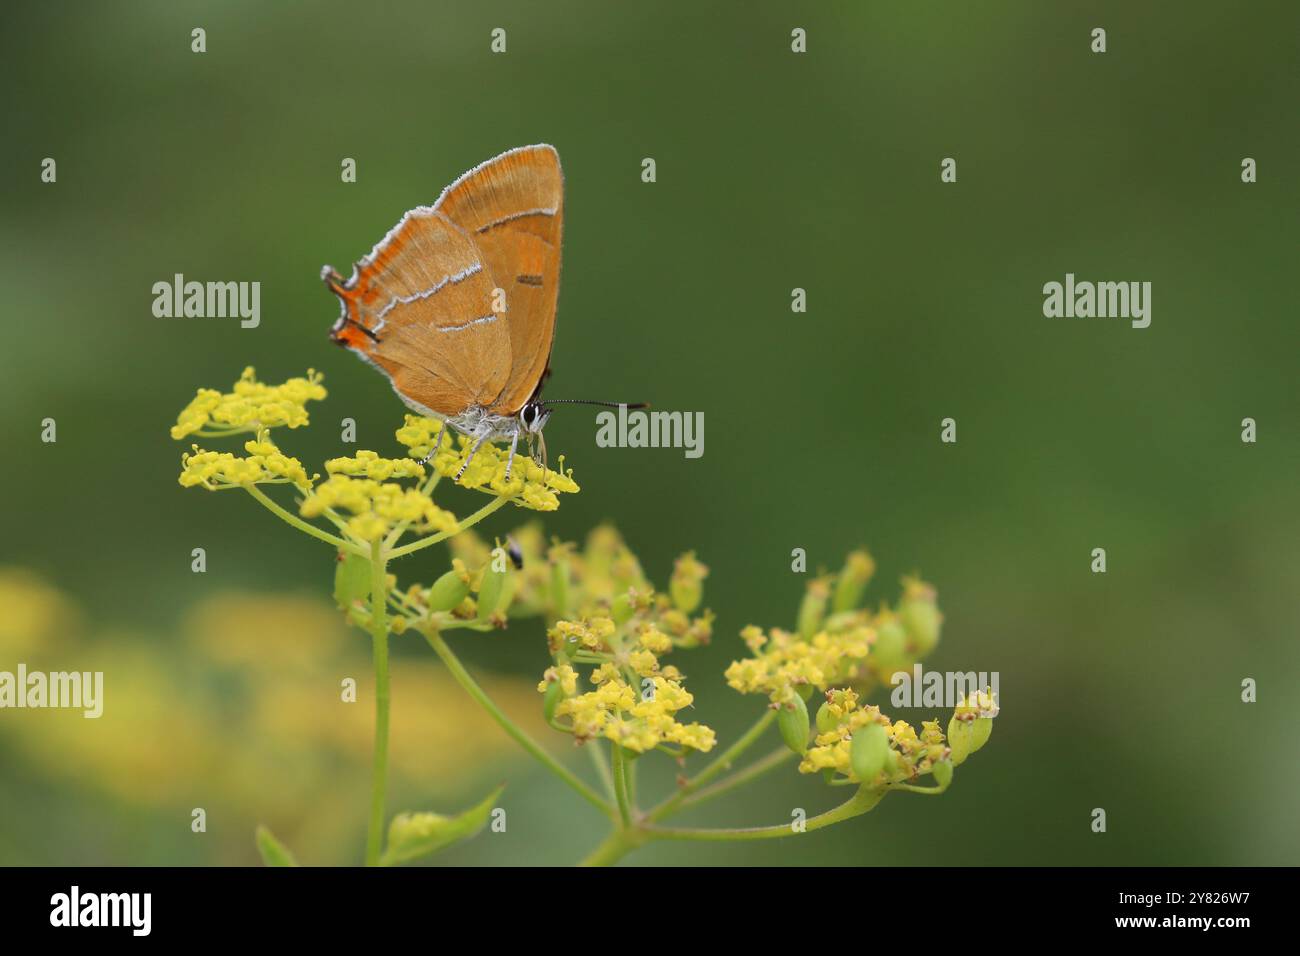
(583, 401)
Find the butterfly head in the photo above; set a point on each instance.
(533, 417)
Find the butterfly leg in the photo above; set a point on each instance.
(514, 442)
(472, 452)
(436, 445)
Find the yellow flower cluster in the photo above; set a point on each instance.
(837, 642)
(530, 485)
(598, 584)
(588, 635)
(910, 754)
(249, 407)
(783, 661)
(265, 464)
(614, 710)
(376, 507)
(636, 698)
(368, 464)
(561, 674)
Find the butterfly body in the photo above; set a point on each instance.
(456, 304)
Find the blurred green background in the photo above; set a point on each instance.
(775, 171)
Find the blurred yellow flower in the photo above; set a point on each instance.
(243, 713)
(34, 616)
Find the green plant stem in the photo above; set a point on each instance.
(616, 763)
(719, 766)
(379, 638)
(622, 842)
(741, 777)
(602, 767)
(433, 539)
(930, 791)
(301, 525)
(614, 847)
(856, 805)
(458, 671)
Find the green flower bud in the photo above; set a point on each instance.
(792, 721)
(622, 608)
(813, 609)
(490, 592)
(890, 650)
(980, 732)
(412, 835)
(826, 719)
(686, 587)
(551, 700)
(893, 763)
(448, 591)
(920, 616)
(858, 569)
(351, 580)
(942, 773)
(869, 752)
(961, 734)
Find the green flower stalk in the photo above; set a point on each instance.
(609, 684)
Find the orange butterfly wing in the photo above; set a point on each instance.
(420, 308)
(513, 207)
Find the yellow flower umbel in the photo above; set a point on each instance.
(249, 407)
(637, 719)
(608, 629)
(530, 485)
(623, 628)
(264, 465)
(837, 643)
(363, 509)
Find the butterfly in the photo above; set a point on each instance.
(456, 304)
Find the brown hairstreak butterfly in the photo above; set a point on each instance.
(456, 305)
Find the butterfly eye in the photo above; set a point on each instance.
(533, 417)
